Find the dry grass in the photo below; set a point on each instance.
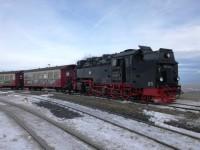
(191, 96)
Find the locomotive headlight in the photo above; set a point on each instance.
(168, 55)
(161, 79)
(178, 78)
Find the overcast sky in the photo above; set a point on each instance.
(35, 33)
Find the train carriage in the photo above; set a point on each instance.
(59, 78)
(11, 79)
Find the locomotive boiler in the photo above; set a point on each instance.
(140, 74)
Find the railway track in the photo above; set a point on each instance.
(197, 106)
(187, 106)
(156, 139)
(23, 125)
(100, 146)
(92, 144)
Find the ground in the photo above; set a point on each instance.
(12, 136)
(185, 119)
(133, 116)
(191, 92)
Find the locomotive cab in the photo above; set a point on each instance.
(121, 66)
(155, 73)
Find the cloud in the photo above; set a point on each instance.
(36, 33)
(189, 67)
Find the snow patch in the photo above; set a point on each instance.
(158, 117)
(109, 135)
(188, 102)
(2, 103)
(47, 95)
(13, 136)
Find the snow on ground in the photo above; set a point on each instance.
(159, 118)
(90, 126)
(109, 135)
(185, 107)
(188, 102)
(55, 137)
(105, 134)
(178, 109)
(13, 136)
(127, 122)
(172, 138)
(6, 92)
(47, 95)
(2, 103)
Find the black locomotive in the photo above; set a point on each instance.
(132, 74)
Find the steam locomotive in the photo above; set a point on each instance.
(133, 74)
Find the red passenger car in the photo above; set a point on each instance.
(59, 78)
(12, 79)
